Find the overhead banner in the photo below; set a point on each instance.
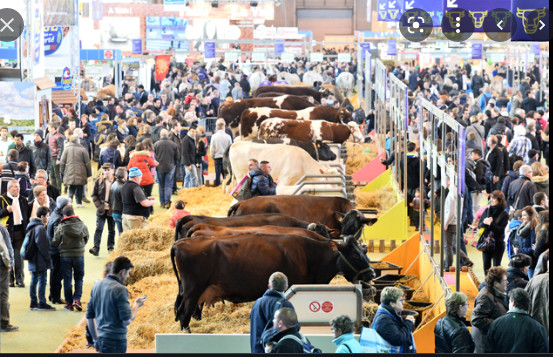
(365, 46)
(279, 48)
(433, 7)
(536, 49)
(479, 11)
(258, 56)
(344, 57)
(59, 12)
(392, 48)
(209, 50)
(389, 10)
(287, 57)
(316, 57)
(137, 47)
(162, 67)
(231, 56)
(476, 52)
(532, 20)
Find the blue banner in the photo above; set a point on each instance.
(532, 20)
(137, 47)
(279, 48)
(389, 10)
(476, 52)
(209, 50)
(432, 7)
(478, 10)
(461, 163)
(52, 39)
(536, 49)
(365, 46)
(392, 48)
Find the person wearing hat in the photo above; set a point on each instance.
(101, 199)
(136, 206)
(41, 151)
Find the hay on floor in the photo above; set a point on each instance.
(150, 239)
(359, 155)
(75, 340)
(146, 263)
(382, 199)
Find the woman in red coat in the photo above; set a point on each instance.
(142, 159)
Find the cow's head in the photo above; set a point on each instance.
(531, 19)
(320, 229)
(324, 151)
(344, 115)
(355, 132)
(353, 262)
(353, 222)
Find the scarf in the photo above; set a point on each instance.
(16, 209)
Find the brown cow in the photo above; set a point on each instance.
(274, 219)
(207, 230)
(326, 210)
(276, 94)
(231, 111)
(287, 89)
(308, 130)
(213, 269)
(251, 119)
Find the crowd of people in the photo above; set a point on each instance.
(160, 136)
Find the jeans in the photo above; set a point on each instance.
(16, 274)
(4, 295)
(40, 279)
(55, 278)
(72, 267)
(118, 219)
(76, 190)
(112, 346)
(218, 170)
(100, 221)
(496, 255)
(165, 180)
(55, 177)
(179, 174)
(191, 177)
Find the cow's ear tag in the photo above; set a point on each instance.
(333, 245)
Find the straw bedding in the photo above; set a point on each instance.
(359, 155)
(146, 263)
(154, 240)
(382, 199)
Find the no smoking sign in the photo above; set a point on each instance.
(326, 306)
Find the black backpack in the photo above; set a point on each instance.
(29, 248)
(245, 190)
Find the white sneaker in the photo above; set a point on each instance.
(79, 206)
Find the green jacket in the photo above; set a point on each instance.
(71, 237)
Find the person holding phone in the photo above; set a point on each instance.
(109, 312)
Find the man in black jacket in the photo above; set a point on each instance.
(101, 199)
(286, 340)
(41, 151)
(530, 103)
(25, 153)
(495, 157)
(521, 191)
(188, 158)
(516, 331)
(451, 333)
(245, 85)
(167, 154)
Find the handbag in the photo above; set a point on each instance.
(486, 242)
(372, 342)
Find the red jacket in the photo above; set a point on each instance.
(178, 214)
(143, 160)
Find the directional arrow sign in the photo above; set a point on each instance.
(432, 7)
(452, 3)
(391, 4)
(409, 5)
(542, 25)
(499, 25)
(382, 7)
(382, 10)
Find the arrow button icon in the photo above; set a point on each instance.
(498, 25)
(542, 25)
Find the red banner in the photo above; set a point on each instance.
(162, 67)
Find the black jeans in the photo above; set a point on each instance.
(77, 191)
(55, 278)
(16, 274)
(496, 255)
(218, 170)
(100, 222)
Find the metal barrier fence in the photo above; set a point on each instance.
(381, 119)
(442, 149)
(209, 124)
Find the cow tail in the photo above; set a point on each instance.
(232, 210)
(179, 295)
(181, 222)
(226, 164)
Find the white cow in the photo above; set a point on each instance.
(291, 78)
(289, 163)
(255, 79)
(346, 83)
(311, 77)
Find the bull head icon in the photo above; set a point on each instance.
(452, 16)
(531, 24)
(499, 16)
(383, 14)
(393, 13)
(478, 18)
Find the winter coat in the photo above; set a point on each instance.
(262, 184)
(516, 279)
(391, 327)
(188, 151)
(201, 150)
(538, 288)
(167, 154)
(522, 189)
(71, 237)
(75, 164)
(452, 335)
(488, 306)
(144, 161)
(500, 221)
(6, 201)
(111, 155)
(53, 222)
(41, 155)
(495, 158)
(99, 195)
(511, 176)
(115, 199)
(525, 238)
(41, 260)
(347, 343)
(542, 183)
(261, 316)
(287, 345)
(517, 332)
(26, 154)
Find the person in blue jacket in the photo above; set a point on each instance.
(390, 325)
(342, 328)
(262, 181)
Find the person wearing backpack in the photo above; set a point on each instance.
(40, 261)
(342, 329)
(264, 308)
(288, 339)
